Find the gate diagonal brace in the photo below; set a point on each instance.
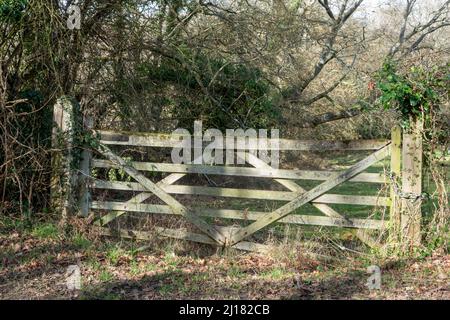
(164, 196)
(170, 179)
(293, 186)
(310, 195)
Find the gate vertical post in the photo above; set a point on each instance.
(395, 210)
(411, 214)
(85, 171)
(63, 176)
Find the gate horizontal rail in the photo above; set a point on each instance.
(163, 140)
(242, 171)
(242, 215)
(245, 193)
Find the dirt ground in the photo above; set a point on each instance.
(34, 266)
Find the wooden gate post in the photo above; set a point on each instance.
(62, 157)
(395, 209)
(85, 171)
(411, 214)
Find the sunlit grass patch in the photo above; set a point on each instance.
(105, 276)
(46, 231)
(115, 254)
(276, 273)
(81, 242)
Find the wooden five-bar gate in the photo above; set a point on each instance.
(143, 188)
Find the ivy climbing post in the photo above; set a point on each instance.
(411, 214)
(395, 209)
(63, 173)
(414, 94)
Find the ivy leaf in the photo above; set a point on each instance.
(413, 102)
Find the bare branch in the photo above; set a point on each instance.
(347, 14)
(328, 52)
(325, 5)
(415, 45)
(326, 92)
(436, 22)
(331, 116)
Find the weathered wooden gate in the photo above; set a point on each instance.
(223, 236)
(237, 236)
